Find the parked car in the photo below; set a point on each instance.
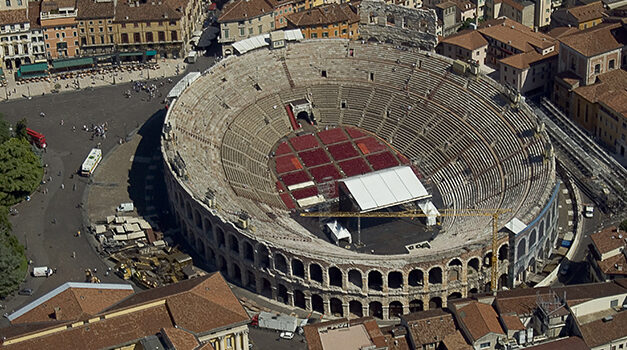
(26, 291)
(287, 335)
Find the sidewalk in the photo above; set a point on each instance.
(13, 90)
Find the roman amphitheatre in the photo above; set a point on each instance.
(261, 137)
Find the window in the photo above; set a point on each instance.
(149, 37)
(136, 25)
(325, 34)
(82, 30)
(57, 35)
(91, 22)
(484, 345)
(614, 303)
(241, 31)
(314, 35)
(100, 29)
(93, 40)
(324, 73)
(111, 38)
(226, 34)
(46, 36)
(147, 24)
(174, 35)
(597, 68)
(123, 25)
(229, 342)
(137, 37)
(91, 30)
(611, 65)
(124, 38)
(102, 39)
(250, 31)
(260, 29)
(161, 36)
(8, 3)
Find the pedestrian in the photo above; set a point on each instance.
(74, 255)
(95, 270)
(61, 122)
(74, 187)
(62, 186)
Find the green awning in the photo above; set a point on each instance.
(151, 52)
(76, 62)
(32, 68)
(127, 54)
(1, 72)
(104, 57)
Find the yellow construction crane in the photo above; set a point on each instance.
(494, 213)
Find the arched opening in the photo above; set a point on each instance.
(435, 303)
(355, 308)
(209, 229)
(395, 280)
(395, 309)
(304, 116)
(473, 291)
(435, 275)
(473, 266)
(503, 252)
(375, 280)
(251, 281)
(266, 288)
(299, 299)
(416, 305)
(416, 278)
(264, 256)
(532, 239)
(298, 269)
(210, 256)
(532, 265)
(220, 237)
(522, 248)
(197, 219)
(487, 260)
(453, 296)
(376, 309)
(188, 209)
(315, 273)
(200, 248)
(282, 294)
(237, 274)
(335, 276)
(503, 281)
(454, 269)
(354, 278)
(249, 252)
(317, 304)
(222, 265)
(542, 229)
(280, 263)
(234, 244)
(336, 307)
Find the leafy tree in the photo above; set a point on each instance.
(13, 265)
(5, 133)
(623, 225)
(20, 129)
(20, 171)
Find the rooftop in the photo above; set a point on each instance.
(166, 10)
(515, 34)
(344, 334)
(600, 332)
(570, 343)
(327, 14)
(559, 32)
(456, 341)
(52, 5)
(607, 85)
(428, 327)
(587, 12)
(597, 40)
(13, 17)
(33, 14)
(467, 39)
(88, 9)
(479, 319)
(239, 10)
(526, 59)
(609, 239)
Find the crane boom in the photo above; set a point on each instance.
(492, 212)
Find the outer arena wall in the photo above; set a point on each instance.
(321, 280)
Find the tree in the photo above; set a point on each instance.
(623, 225)
(5, 132)
(13, 264)
(20, 171)
(20, 129)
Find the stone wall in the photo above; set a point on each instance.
(398, 25)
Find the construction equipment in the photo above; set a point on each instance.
(491, 212)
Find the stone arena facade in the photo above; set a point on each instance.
(479, 150)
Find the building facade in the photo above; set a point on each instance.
(468, 45)
(329, 21)
(242, 19)
(95, 26)
(15, 37)
(58, 20)
(581, 17)
(38, 43)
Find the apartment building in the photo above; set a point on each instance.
(520, 11)
(242, 19)
(467, 45)
(58, 20)
(15, 37)
(607, 258)
(581, 17)
(200, 313)
(95, 26)
(38, 43)
(328, 21)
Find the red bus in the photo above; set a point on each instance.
(36, 138)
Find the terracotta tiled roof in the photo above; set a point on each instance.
(149, 11)
(395, 337)
(512, 322)
(587, 12)
(179, 339)
(526, 59)
(519, 301)
(480, 319)
(327, 14)
(467, 39)
(88, 9)
(559, 32)
(608, 84)
(445, 4)
(617, 102)
(608, 239)
(579, 293)
(599, 332)
(239, 10)
(428, 327)
(314, 342)
(515, 4)
(515, 34)
(33, 14)
(51, 5)
(615, 265)
(597, 40)
(13, 17)
(570, 343)
(464, 5)
(456, 341)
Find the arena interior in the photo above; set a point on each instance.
(260, 137)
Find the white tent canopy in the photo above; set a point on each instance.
(385, 188)
(338, 231)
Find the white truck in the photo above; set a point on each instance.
(125, 207)
(42, 271)
(588, 210)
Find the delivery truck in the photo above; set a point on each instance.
(42, 271)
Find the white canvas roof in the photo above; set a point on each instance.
(255, 42)
(182, 84)
(385, 188)
(293, 35)
(516, 226)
